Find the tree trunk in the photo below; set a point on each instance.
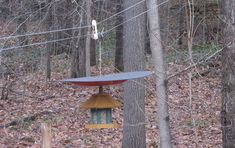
(228, 78)
(82, 55)
(204, 23)
(74, 60)
(78, 63)
(119, 40)
(21, 21)
(161, 87)
(88, 38)
(22, 30)
(163, 20)
(133, 45)
(62, 20)
(93, 53)
(74, 70)
(49, 21)
(93, 42)
(181, 24)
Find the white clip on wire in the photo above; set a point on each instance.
(95, 35)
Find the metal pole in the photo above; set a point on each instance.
(101, 90)
(100, 58)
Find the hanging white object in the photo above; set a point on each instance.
(95, 35)
(94, 30)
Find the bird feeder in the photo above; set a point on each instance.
(101, 104)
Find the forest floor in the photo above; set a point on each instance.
(195, 125)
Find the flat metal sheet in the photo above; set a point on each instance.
(110, 79)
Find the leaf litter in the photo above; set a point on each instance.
(60, 104)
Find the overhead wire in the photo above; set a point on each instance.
(107, 31)
(45, 32)
(116, 14)
(135, 17)
(41, 43)
(72, 28)
(28, 13)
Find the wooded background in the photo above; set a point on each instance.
(43, 41)
(20, 17)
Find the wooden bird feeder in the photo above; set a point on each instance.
(101, 104)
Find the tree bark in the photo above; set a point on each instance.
(181, 24)
(74, 70)
(78, 63)
(93, 53)
(82, 55)
(88, 38)
(160, 71)
(22, 30)
(163, 20)
(228, 78)
(133, 45)
(93, 42)
(63, 20)
(119, 41)
(49, 21)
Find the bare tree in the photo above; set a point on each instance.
(119, 40)
(181, 24)
(93, 53)
(160, 71)
(22, 26)
(228, 78)
(88, 38)
(190, 20)
(133, 45)
(49, 22)
(75, 70)
(93, 42)
(78, 60)
(62, 19)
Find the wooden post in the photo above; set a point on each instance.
(46, 135)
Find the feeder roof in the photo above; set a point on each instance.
(101, 101)
(110, 79)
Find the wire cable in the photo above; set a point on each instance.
(116, 14)
(45, 32)
(135, 17)
(28, 13)
(41, 43)
(73, 28)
